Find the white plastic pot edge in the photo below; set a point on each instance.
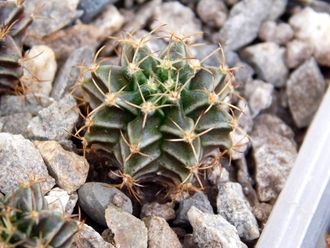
(301, 215)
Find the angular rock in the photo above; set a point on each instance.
(160, 234)
(55, 122)
(20, 162)
(70, 72)
(313, 27)
(87, 237)
(217, 175)
(94, 198)
(59, 200)
(245, 119)
(274, 155)
(164, 211)
(278, 33)
(178, 19)
(15, 123)
(268, 61)
(243, 75)
(212, 12)
(259, 94)
(128, 230)
(69, 169)
(31, 103)
(213, 231)
(233, 206)
(92, 8)
(40, 67)
(198, 200)
(262, 211)
(297, 52)
(243, 23)
(277, 9)
(305, 89)
(241, 143)
(52, 15)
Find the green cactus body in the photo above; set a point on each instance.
(25, 221)
(159, 115)
(13, 24)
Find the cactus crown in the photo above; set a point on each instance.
(158, 113)
(26, 222)
(13, 23)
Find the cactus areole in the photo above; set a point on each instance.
(158, 114)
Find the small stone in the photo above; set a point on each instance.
(40, 67)
(59, 200)
(241, 143)
(94, 198)
(313, 27)
(128, 230)
(243, 75)
(55, 122)
(278, 33)
(297, 52)
(262, 211)
(87, 237)
(69, 73)
(213, 231)
(51, 15)
(20, 162)
(69, 169)
(15, 123)
(243, 23)
(268, 61)
(277, 9)
(160, 234)
(108, 22)
(164, 211)
(212, 12)
(198, 200)
(178, 19)
(245, 119)
(92, 8)
(274, 156)
(259, 94)
(233, 206)
(30, 103)
(305, 89)
(218, 175)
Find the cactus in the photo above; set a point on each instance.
(13, 24)
(159, 114)
(26, 222)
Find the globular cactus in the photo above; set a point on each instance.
(13, 23)
(158, 114)
(26, 222)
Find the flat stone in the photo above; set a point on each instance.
(92, 8)
(274, 154)
(128, 230)
(213, 231)
(259, 95)
(69, 169)
(313, 27)
(15, 123)
(59, 200)
(30, 103)
(164, 211)
(94, 198)
(233, 206)
(268, 61)
(212, 12)
(305, 89)
(198, 200)
(87, 237)
(243, 23)
(55, 122)
(70, 72)
(39, 66)
(178, 19)
(21, 162)
(278, 33)
(160, 233)
(52, 15)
